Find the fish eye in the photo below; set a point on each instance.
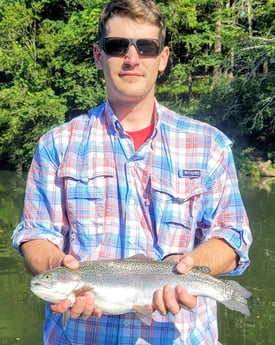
(47, 276)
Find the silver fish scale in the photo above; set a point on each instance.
(148, 276)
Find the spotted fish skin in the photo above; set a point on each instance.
(122, 286)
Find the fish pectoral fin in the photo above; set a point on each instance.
(83, 288)
(144, 313)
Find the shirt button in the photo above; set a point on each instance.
(131, 164)
(99, 227)
(126, 323)
(132, 203)
(131, 240)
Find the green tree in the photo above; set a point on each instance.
(46, 71)
(221, 69)
(28, 106)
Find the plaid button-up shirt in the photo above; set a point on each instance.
(94, 197)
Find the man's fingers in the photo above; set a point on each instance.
(89, 307)
(83, 306)
(61, 307)
(78, 306)
(70, 262)
(185, 264)
(158, 302)
(165, 301)
(185, 298)
(97, 312)
(172, 306)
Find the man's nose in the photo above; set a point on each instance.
(132, 54)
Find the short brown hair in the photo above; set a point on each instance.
(144, 10)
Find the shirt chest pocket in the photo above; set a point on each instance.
(85, 203)
(85, 199)
(87, 207)
(177, 207)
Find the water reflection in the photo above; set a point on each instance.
(21, 316)
(21, 313)
(259, 279)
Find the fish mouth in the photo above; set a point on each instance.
(39, 284)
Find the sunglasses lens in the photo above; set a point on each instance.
(114, 46)
(148, 47)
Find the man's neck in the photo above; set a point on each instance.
(134, 116)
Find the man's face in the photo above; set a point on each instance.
(130, 78)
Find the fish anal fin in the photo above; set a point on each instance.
(144, 313)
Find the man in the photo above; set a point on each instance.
(133, 177)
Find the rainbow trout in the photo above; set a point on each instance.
(122, 286)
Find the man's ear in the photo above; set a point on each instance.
(97, 56)
(164, 56)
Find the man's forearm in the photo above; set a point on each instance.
(217, 255)
(41, 255)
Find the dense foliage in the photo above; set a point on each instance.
(221, 71)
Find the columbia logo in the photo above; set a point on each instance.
(189, 173)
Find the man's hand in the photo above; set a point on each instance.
(169, 300)
(84, 305)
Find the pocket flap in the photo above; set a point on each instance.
(179, 187)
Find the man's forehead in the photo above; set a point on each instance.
(127, 26)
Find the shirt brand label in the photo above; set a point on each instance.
(189, 173)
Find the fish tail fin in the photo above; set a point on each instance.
(240, 289)
(238, 301)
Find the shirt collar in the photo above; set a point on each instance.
(115, 126)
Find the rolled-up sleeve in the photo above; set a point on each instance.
(43, 215)
(225, 216)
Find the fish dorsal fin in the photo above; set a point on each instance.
(139, 257)
(144, 313)
(201, 269)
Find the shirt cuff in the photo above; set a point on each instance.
(240, 241)
(24, 233)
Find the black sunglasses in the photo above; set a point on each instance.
(118, 46)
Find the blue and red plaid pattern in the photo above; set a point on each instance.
(93, 196)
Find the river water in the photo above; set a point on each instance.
(21, 313)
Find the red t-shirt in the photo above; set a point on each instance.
(139, 137)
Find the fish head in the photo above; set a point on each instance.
(57, 284)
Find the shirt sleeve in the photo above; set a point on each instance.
(225, 216)
(44, 215)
